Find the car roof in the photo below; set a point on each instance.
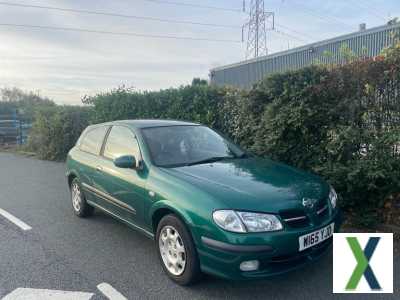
(149, 123)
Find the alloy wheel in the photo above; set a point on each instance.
(172, 250)
(76, 197)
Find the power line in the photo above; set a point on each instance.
(174, 37)
(195, 5)
(323, 17)
(111, 14)
(371, 11)
(374, 8)
(80, 11)
(289, 35)
(295, 31)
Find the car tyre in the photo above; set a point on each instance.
(79, 205)
(177, 252)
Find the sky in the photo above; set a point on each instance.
(66, 65)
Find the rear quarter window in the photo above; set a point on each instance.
(92, 140)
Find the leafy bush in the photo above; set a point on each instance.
(197, 102)
(26, 103)
(56, 130)
(342, 122)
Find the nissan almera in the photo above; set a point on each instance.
(209, 206)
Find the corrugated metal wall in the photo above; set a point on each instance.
(363, 43)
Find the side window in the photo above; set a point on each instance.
(121, 141)
(93, 140)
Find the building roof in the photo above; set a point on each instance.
(309, 46)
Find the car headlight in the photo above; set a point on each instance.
(237, 221)
(333, 197)
(228, 220)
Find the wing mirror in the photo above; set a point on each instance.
(127, 162)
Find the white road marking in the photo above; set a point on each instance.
(15, 220)
(39, 294)
(110, 292)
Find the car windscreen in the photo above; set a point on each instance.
(173, 146)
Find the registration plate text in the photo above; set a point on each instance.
(308, 240)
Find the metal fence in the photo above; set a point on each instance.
(13, 128)
(364, 43)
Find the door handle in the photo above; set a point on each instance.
(99, 169)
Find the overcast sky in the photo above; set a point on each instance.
(68, 65)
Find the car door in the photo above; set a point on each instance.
(90, 146)
(122, 190)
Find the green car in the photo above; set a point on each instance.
(209, 206)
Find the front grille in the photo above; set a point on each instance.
(322, 211)
(299, 218)
(295, 218)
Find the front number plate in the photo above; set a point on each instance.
(308, 240)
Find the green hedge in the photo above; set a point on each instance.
(56, 130)
(197, 102)
(341, 122)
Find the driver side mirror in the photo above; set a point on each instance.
(126, 162)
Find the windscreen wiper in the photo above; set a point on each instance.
(243, 155)
(209, 160)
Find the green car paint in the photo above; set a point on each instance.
(141, 197)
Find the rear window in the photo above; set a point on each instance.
(93, 140)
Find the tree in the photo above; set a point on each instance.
(26, 103)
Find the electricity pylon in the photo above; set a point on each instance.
(256, 27)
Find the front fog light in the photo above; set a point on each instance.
(250, 265)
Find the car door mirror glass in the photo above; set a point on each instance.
(126, 162)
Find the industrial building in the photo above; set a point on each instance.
(364, 43)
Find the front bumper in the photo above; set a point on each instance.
(277, 253)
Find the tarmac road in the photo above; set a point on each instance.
(63, 252)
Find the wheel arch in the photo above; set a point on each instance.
(163, 208)
(71, 175)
